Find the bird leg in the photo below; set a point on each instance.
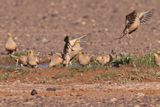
(17, 62)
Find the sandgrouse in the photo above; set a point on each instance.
(10, 44)
(55, 59)
(32, 59)
(134, 20)
(71, 49)
(84, 59)
(22, 60)
(103, 59)
(157, 58)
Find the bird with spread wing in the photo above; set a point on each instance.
(134, 20)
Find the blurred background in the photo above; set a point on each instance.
(42, 24)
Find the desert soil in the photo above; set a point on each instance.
(41, 25)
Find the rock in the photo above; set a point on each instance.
(34, 92)
(106, 29)
(140, 94)
(136, 105)
(44, 40)
(51, 89)
(83, 23)
(113, 100)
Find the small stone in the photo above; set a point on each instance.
(52, 4)
(136, 105)
(44, 40)
(93, 20)
(103, 44)
(83, 23)
(140, 94)
(28, 35)
(51, 89)
(34, 92)
(106, 29)
(113, 100)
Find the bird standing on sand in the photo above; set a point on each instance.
(22, 60)
(157, 58)
(103, 59)
(10, 44)
(134, 20)
(32, 60)
(84, 59)
(56, 59)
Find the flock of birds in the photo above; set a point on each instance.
(72, 48)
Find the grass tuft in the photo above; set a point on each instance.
(146, 60)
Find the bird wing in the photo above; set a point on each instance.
(73, 41)
(130, 18)
(82, 37)
(145, 16)
(79, 38)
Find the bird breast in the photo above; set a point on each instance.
(134, 26)
(55, 60)
(32, 60)
(11, 45)
(83, 59)
(23, 60)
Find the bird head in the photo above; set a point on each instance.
(30, 52)
(66, 38)
(9, 35)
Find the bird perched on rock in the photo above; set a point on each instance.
(56, 59)
(157, 58)
(32, 60)
(10, 44)
(134, 20)
(104, 59)
(84, 59)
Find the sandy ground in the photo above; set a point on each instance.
(81, 95)
(61, 87)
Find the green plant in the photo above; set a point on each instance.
(4, 75)
(146, 60)
(122, 60)
(20, 53)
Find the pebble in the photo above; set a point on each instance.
(136, 105)
(44, 40)
(34, 92)
(113, 100)
(140, 94)
(83, 23)
(51, 89)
